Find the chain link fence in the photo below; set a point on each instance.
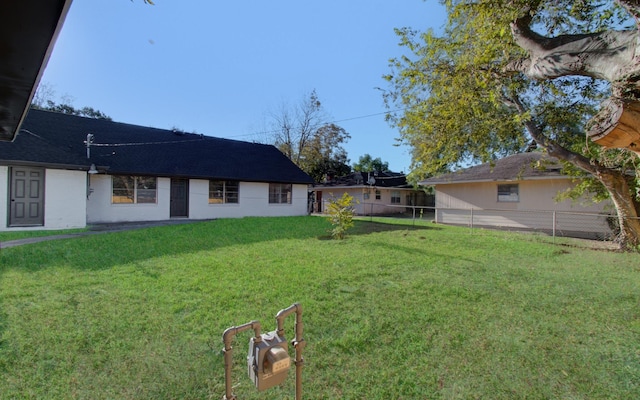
(558, 226)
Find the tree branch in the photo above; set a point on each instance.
(606, 55)
(552, 147)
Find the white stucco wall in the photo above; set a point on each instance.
(64, 202)
(65, 199)
(4, 196)
(253, 201)
(101, 210)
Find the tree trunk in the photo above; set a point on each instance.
(618, 188)
(609, 55)
(614, 181)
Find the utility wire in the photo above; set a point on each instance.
(321, 124)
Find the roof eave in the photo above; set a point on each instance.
(27, 37)
(530, 178)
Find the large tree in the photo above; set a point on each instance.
(506, 73)
(324, 154)
(303, 134)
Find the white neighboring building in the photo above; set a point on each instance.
(51, 178)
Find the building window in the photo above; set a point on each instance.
(133, 189)
(221, 192)
(366, 195)
(377, 194)
(508, 193)
(395, 197)
(279, 193)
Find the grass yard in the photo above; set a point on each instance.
(392, 312)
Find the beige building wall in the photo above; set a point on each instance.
(533, 195)
(367, 203)
(477, 204)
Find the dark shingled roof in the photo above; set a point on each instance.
(55, 139)
(524, 166)
(367, 179)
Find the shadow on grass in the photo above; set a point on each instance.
(363, 227)
(104, 250)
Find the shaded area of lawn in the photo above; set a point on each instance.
(391, 312)
(14, 235)
(113, 248)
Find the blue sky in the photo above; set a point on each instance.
(221, 67)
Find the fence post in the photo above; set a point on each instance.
(471, 222)
(554, 226)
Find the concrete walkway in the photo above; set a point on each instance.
(95, 230)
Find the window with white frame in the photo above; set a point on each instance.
(508, 193)
(378, 194)
(133, 189)
(224, 192)
(280, 193)
(395, 197)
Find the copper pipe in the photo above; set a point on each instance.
(298, 343)
(227, 337)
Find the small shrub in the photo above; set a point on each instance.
(341, 214)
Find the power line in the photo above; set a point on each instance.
(320, 124)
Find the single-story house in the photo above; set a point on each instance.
(513, 192)
(375, 192)
(64, 171)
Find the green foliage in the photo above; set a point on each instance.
(459, 102)
(89, 112)
(341, 213)
(323, 154)
(325, 166)
(461, 106)
(45, 99)
(366, 163)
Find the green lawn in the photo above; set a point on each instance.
(392, 312)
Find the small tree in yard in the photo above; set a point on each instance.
(341, 214)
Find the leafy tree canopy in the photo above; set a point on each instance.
(366, 163)
(505, 73)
